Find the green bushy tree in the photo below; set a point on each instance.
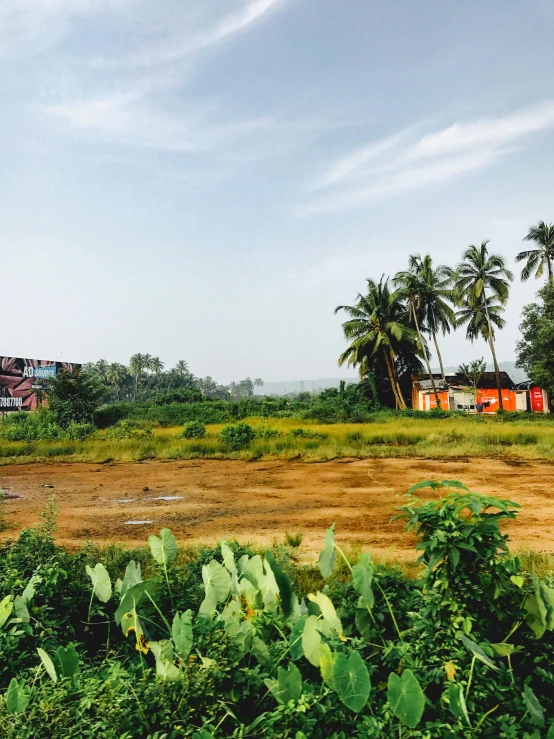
(535, 350)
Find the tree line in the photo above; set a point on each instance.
(145, 378)
(392, 324)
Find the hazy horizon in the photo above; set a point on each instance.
(208, 181)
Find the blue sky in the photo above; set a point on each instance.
(208, 180)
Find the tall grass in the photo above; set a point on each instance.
(385, 437)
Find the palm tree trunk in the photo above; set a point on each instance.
(549, 264)
(424, 350)
(493, 351)
(393, 380)
(439, 357)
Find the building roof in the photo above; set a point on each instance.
(487, 381)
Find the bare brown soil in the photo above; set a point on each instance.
(259, 501)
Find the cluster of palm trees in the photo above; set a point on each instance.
(389, 327)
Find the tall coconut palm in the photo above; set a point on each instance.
(483, 288)
(377, 328)
(137, 365)
(100, 369)
(436, 292)
(543, 236)
(115, 375)
(258, 382)
(182, 368)
(413, 288)
(156, 365)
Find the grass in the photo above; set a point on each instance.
(385, 437)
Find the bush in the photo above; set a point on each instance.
(73, 397)
(193, 430)
(238, 436)
(26, 426)
(129, 429)
(266, 432)
(80, 431)
(306, 433)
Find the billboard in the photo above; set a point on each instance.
(20, 378)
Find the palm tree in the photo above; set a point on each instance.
(182, 368)
(436, 292)
(258, 382)
(377, 328)
(100, 369)
(543, 235)
(156, 365)
(418, 285)
(115, 375)
(147, 366)
(136, 368)
(483, 287)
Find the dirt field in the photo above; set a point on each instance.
(260, 501)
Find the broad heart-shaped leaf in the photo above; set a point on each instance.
(48, 665)
(363, 623)
(406, 698)
(16, 698)
(476, 650)
(20, 609)
(533, 706)
(456, 701)
(66, 661)
(288, 686)
(362, 575)
(260, 650)
(130, 621)
(164, 547)
(29, 591)
(502, 649)
(327, 610)
(328, 555)
(202, 734)
(327, 660)
(351, 680)
(311, 639)
(163, 653)
(550, 734)
(283, 583)
(295, 639)
(6, 608)
(217, 586)
(547, 595)
(425, 484)
(101, 584)
(133, 597)
(181, 633)
(132, 576)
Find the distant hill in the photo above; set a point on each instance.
(297, 386)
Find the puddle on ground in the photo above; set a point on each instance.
(125, 500)
(167, 497)
(136, 523)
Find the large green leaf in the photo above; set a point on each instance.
(16, 698)
(66, 661)
(217, 586)
(327, 610)
(164, 547)
(283, 583)
(536, 610)
(48, 665)
(260, 650)
(181, 633)
(362, 575)
(101, 584)
(20, 610)
(133, 598)
(456, 701)
(311, 639)
(6, 608)
(327, 660)
(328, 555)
(163, 653)
(132, 576)
(288, 686)
(533, 706)
(502, 649)
(363, 622)
(406, 698)
(476, 650)
(295, 639)
(351, 680)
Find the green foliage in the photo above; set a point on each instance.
(535, 351)
(193, 430)
(228, 644)
(238, 436)
(73, 397)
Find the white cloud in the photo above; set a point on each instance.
(402, 162)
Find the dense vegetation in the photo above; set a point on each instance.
(232, 643)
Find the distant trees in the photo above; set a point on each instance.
(73, 397)
(543, 256)
(473, 371)
(535, 350)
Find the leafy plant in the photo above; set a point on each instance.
(238, 436)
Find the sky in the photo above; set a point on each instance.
(208, 180)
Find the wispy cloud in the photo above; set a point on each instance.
(404, 162)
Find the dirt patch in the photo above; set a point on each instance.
(260, 501)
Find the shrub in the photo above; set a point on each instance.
(25, 426)
(238, 436)
(306, 433)
(80, 431)
(266, 432)
(129, 429)
(193, 430)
